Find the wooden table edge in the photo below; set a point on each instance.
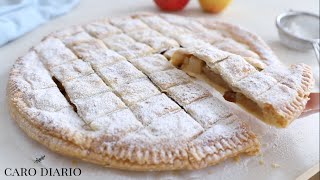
(309, 173)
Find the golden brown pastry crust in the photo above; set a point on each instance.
(81, 141)
(280, 103)
(242, 35)
(249, 146)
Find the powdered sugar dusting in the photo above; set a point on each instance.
(53, 52)
(234, 47)
(154, 107)
(171, 128)
(158, 128)
(169, 78)
(101, 29)
(45, 99)
(71, 70)
(116, 124)
(136, 90)
(119, 73)
(233, 69)
(85, 86)
(254, 84)
(98, 105)
(208, 111)
(151, 64)
(128, 24)
(187, 93)
(126, 46)
(154, 39)
(97, 54)
(77, 38)
(34, 73)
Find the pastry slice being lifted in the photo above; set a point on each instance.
(276, 94)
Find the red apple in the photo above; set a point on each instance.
(171, 5)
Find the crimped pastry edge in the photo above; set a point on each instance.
(68, 148)
(293, 109)
(279, 117)
(64, 144)
(239, 33)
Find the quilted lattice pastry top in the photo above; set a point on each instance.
(106, 92)
(276, 94)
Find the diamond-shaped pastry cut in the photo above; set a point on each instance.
(98, 105)
(137, 90)
(154, 39)
(119, 73)
(118, 41)
(165, 130)
(208, 111)
(72, 70)
(45, 99)
(53, 52)
(232, 46)
(255, 84)
(77, 39)
(128, 24)
(101, 29)
(169, 78)
(151, 64)
(97, 54)
(118, 91)
(34, 72)
(233, 69)
(163, 26)
(187, 93)
(283, 94)
(85, 87)
(67, 32)
(154, 107)
(83, 49)
(126, 46)
(116, 124)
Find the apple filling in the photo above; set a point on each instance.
(275, 94)
(191, 65)
(232, 96)
(244, 102)
(196, 67)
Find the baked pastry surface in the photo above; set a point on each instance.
(274, 93)
(106, 92)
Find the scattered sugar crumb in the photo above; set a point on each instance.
(261, 156)
(74, 162)
(92, 127)
(176, 173)
(274, 146)
(261, 162)
(237, 159)
(88, 127)
(210, 172)
(275, 165)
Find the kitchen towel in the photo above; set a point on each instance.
(18, 17)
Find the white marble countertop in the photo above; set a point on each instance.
(295, 149)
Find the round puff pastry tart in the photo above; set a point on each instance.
(106, 92)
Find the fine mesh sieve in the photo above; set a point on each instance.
(299, 30)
